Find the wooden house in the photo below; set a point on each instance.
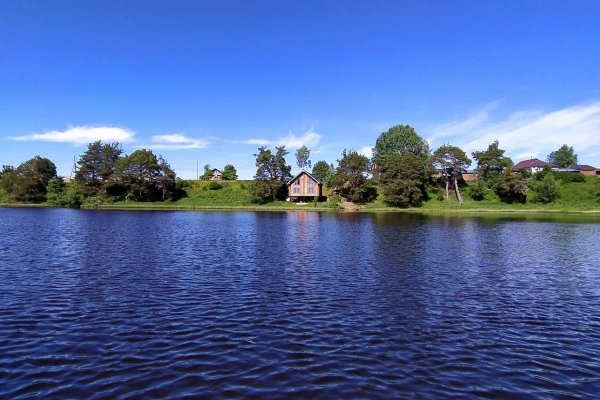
(304, 186)
(216, 175)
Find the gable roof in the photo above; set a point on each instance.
(303, 172)
(585, 167)
(532, 163)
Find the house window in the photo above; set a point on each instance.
(310, 190)
(296, 190)
(297, 183)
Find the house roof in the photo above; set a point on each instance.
(532, 163)
(585, 167)
(304, 172)
(216, 170)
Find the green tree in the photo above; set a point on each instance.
(272, 174)
(229, 173)
(272, 166)
(399, 139)
(27, 183)
(350, 178)
(207, 175)
(61, 194)
(564, 157)
(146, 176)
(97, 166)
(302, 157)
(491, 162)
(452, 161)
(323, 172)
(404, 179)
(512, 188)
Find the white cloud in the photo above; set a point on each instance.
(177, 141)
(260, 142)
(80, 135)
(527, 134)
(309, 138)
(366, 151)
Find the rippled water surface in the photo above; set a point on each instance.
(296, 305)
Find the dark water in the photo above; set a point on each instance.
(296, 305)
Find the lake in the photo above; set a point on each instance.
(114, 304)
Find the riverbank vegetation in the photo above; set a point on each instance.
(402, 173)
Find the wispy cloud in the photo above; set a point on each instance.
(309, 138)
(80, 135)
(177, 141)
(526, 134)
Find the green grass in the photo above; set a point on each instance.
(581, 197)
(232, 195)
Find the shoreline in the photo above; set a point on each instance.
(359, 209)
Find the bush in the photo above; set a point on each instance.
(477, 190)
(214, 186)
(335, 201)
(569, 177)
(511, 188)
(263, 191)
(546, 190)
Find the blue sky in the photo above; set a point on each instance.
(210, 81)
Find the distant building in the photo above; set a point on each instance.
(534, 165)
(588, 170)
(304, 186)
(216, 175)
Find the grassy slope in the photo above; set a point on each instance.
(233, 195)
(575, 197)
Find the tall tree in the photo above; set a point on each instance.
(323, 172)
(404, 179)
(229, 173)
(272, 166)
(302, 157)
(97, 166)
(147, 176)
(451, 160)
(207, 175)
(491, 160)
(350, 177)
(564, 157)
(28, 182)
(272, 174)
(399, 139)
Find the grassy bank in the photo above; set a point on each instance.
(222, 195)
(575, 198)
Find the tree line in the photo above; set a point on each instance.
(104, 174)
(407, 172)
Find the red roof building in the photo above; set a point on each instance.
(533, 165)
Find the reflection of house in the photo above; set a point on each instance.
(216, 175)
(534, 165)
(304, 186)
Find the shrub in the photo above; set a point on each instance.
(477, 190)
(214, 186)
(569, 177)
(511, 188)
(546, 190)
